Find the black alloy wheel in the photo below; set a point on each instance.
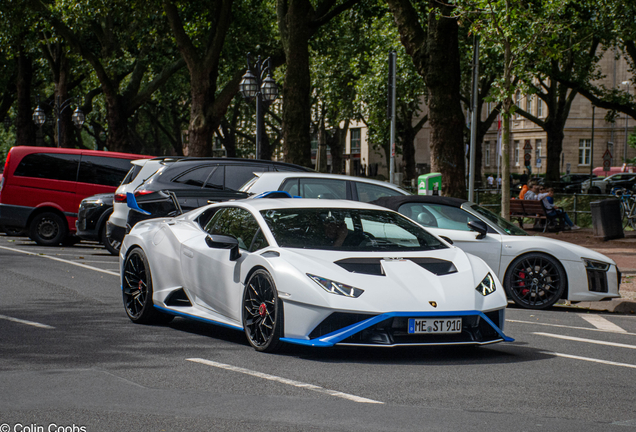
(535, 281)
(262, 312)
(137, 291)
(111, 245)
(48, 229)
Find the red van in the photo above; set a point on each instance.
(41, 188)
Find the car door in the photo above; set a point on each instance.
(211, 278)
(452, 222)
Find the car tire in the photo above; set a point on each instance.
(48, 229)
(535, 281)
(137, 290)
(262, 312)
(111, 245)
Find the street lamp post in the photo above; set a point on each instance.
(257, 83)
(39, 116)
(626, 83)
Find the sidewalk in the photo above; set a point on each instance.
(622, 251)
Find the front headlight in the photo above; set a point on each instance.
(595, 265)
(486, 286)
(336, 287)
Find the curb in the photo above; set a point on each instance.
(619, 306)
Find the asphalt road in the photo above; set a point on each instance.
(70, 360)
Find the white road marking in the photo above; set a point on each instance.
(294, 383)
(632, 366)
(592, 341)
(564, 326)
(21, 321)
(61, 260)
(601, 323)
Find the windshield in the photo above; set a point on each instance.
(507, 227)
(348, 229)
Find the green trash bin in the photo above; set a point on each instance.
(429, 184)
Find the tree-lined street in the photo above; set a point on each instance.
(70, 356)
(162, 77)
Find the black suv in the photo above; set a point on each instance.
(194, 182)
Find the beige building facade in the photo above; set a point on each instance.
(582, 149)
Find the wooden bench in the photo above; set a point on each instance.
(531, 209)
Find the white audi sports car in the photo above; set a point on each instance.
(310, 272)
(536, 271)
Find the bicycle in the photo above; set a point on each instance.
(628, 206)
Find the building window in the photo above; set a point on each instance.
(516, 152)
(355, 141)
(538, 152)
(487, 153)
(539, 108)
(529, 104)
(585, 148)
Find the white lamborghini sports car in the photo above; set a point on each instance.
(310, 272)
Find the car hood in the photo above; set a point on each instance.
(440, 280)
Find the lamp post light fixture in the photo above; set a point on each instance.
(626, 83)
(257, 83)
(39, 116)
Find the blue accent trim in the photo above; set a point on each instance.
(132, 203)
(333, 338)
(196, 318)
(268, 193)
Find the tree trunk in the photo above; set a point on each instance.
(294, 22)
(337, 144)
(116, 115)
(24, 126)
(443, 80)
(435, 54)
(199, 142)
(555, 138)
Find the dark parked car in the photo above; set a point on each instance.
(569, 183)
(194, 182)
(93, 213)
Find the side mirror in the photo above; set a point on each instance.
(480, 227)
(446, 239)
(219, 241)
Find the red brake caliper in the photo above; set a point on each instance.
(262, 310)
(524, 291)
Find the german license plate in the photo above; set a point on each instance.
(435, 325)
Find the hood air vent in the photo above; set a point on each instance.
(373, 266)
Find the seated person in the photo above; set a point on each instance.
(338, 235)
(552, 211)
(533, 191)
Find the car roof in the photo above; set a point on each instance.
(395, 202)
(195, 160)
(23, 150)
(162, 159)
(289, 174)
(260, 204)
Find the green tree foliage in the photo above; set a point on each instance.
(513, 29)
